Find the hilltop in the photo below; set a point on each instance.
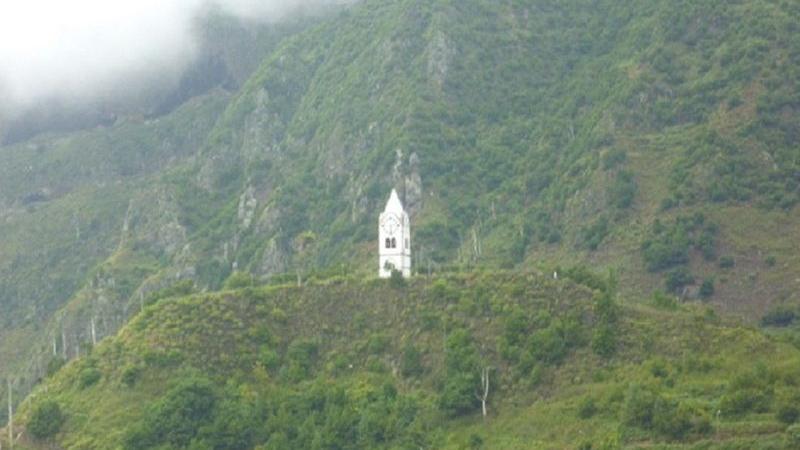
(380, 364)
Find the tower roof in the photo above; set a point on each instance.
(394, 205)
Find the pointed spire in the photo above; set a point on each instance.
(394, 205)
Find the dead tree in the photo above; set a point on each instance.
(483, 394)
(94, 332)
(10, 423)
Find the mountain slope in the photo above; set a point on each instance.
(521, 132)
(657, 139)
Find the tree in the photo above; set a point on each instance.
(46, 420)
(177, 418)
(461, 372)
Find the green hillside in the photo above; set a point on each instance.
(656, 138)
(521, 132)
(369, 364)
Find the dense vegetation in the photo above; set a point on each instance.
(351, 364)
(654, 137)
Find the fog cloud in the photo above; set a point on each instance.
(88, 49)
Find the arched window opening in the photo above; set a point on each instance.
(388, 243)
(406, 243)
(394, 243)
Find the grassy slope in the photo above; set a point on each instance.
(685, 355)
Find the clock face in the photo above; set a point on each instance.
(390, 224)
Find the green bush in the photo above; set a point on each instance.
(89, 377)
(46, 420)
(592, 236)
(677, 279)
(131, 374)
(458, 395)
(301, 358)
(411, 362)
(175, 419)
(604, 340)
(614, 158)
(475, 441)
(664, 301)
(461, 375)
(647, 409)
(658, 368)
(587, 408)
(238, 280)
(396, 280)
(707, 288)
(744, 401)
(671, 419)
(793, 436)
(278, 315)
(268, 358)
(750, 391)
(779, 316)
(788, 409)
(622, 191)
(637, 410)
(604, 337)
(179, 289)
(515, 329)
(550, 345)
(668, 245)
(726, 262)
(378, 344)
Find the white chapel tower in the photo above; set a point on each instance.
(394, 239)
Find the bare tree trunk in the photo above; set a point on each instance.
(64, 342)
(10, 418)
(483, 395)
(94, 334)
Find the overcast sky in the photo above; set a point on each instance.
(79, 48)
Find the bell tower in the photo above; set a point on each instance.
(394, 239)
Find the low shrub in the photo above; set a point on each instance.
(89, 377)
(726, 262)
(780, 316)
(743, 401)
(46, 420)
(677, 279)
(788, 409)
(587, 408)
(707, 288)
(131, 374)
